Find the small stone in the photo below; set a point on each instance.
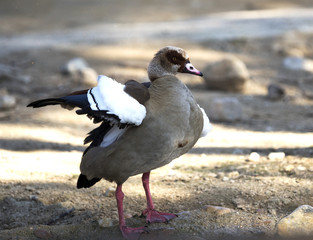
(226, 109)
(298, 224)
(211, 175)
(110, 192)
(105, 222)
(229, 74)
(275, 92)
(220, 175)
(33, 197)
(89, 76)
(289, 168)
(42, 234)
(233, 174)
(254, 157)
(239, 203)
(6, 101)
(127, 215)
(219, 211)
(225, 179)
(74, 66)
(301, 168)
(298, 64)
(276, 155)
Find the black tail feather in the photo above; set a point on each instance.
(83, 182)
(46, 102)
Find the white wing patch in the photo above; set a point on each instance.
(207, 126)
(109, 96)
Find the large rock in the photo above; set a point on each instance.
(226, 109)
(298, 224)
(80, 71)
(229, 74)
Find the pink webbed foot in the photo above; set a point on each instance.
(133, 233)
(153, 216)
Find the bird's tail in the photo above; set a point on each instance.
(46, 102)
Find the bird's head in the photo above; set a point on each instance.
(170, 61)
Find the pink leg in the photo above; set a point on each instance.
(128, 233)
(151, 214)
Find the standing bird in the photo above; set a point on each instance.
(143, 126)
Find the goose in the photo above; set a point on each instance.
(144, 126)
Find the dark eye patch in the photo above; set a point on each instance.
(175, 58)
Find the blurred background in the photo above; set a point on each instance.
(257, 89)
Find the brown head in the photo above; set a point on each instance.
(170, 61)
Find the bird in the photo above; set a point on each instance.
(143, 126)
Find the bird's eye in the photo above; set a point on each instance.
(174, 59)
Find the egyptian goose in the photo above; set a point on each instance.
(143, 127)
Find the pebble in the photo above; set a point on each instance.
(275, 92)
(276, 155)
(74, 66)
(254, 157)
(219, 211)
(105, 222)
(229, 74)
(89, 76)
(298, 224)
(79, 70)
(301, 168)
(289, 168)
(233, 174)
(110, 192)
(295, 63)
(239, 203)
(42, 234)
(7, 101)
(227, 109)
(211, 175)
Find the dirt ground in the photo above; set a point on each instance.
(40, 149)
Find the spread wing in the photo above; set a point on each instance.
(115, 105)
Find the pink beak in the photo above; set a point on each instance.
(189, 68)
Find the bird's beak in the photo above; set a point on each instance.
(189, 68)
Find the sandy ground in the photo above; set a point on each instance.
(40, 150)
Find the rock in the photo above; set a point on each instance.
(229, 74)
(220, 175)
(79, 70)
(110, 192)
(239, 203)
(74, 66)
(233, 174)
(254, 157)
(301, 168)
(298, 224)
(275, 92)
(289, 168)
(298, 64)
(42, 234)
(105, 222)
(225, 179)
(276, 155)
(225, 109)
(219, 211)
(211, 175)
(7, 101)
(88, 77)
